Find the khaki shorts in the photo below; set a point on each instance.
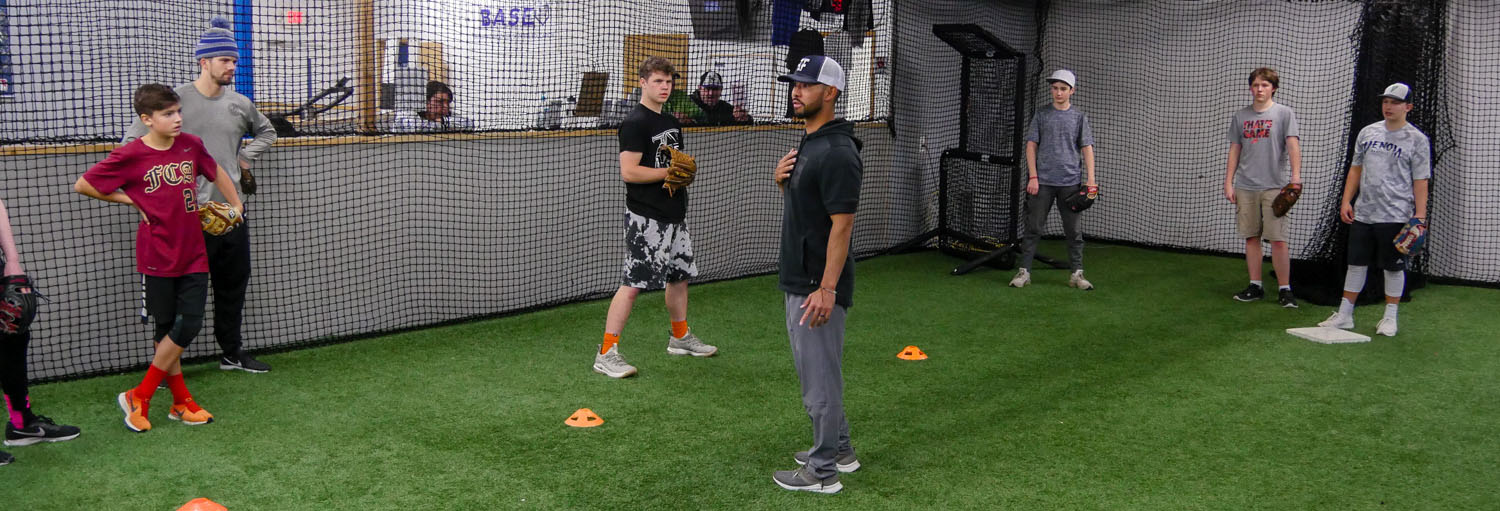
(1254, 217)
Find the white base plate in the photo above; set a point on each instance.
(1327, 335)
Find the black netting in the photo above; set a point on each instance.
(371, 217)
(369, 221)
(1398, 43)
(994, 112)
(1465, 244)
(981, 208)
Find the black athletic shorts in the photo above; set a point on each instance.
(167, 297)
(1375, 243)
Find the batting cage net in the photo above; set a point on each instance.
(378, 210)
(1160, 80)
(373, 215)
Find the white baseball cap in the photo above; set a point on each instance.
(1064, 76)
(1397, 91)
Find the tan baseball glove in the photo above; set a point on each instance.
(218, 218)
(680, 171)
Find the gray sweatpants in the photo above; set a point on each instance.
(1037, 207)
(818, 354)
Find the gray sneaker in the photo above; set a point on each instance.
(800, 480)
(844, 463)
(612, 364)
(689, 345)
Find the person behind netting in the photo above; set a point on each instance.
(221, 117)
(22, 426)
(715, 111)
(1390, 170)
(438, 115)
(1263, 142)
(1058, 139)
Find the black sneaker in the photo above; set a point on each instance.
(1286, 299)
(40, 430)
(1251, 293)
(243, 362)
(6, 458)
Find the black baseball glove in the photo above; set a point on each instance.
(1083, 199)
(17, 304)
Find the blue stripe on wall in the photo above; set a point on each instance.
(244, 71)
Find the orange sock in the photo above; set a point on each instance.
(679, 328)
(610, 340)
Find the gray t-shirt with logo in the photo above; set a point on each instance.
(1262, 138)
(222, 122)
(1059, 136)
(1391, 161)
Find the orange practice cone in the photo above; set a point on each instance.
(202, 504)
(911, 353)
(584, 418)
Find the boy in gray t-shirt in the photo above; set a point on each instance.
(1391, 167)
(1263, 142)
(1058, 139)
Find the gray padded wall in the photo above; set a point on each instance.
(333, 221)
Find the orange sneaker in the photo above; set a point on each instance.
(191, 418)
(135, 411)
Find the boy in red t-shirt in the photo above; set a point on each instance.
(157, 175)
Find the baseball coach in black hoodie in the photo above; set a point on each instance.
(820, 192)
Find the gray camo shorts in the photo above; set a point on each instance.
(656, 253)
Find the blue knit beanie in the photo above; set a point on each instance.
(218, 41)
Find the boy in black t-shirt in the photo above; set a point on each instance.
(659, 252)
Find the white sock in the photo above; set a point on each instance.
(1395, 283)
(1354, 278)
(1346, 307)
(1390, 311)
(1256, 283)
(1286, 288)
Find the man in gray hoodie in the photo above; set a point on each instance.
(222, 118)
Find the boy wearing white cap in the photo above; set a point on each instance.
(1263, 140)
(1392, 164)
(1058, 137)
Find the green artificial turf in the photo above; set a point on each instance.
(1155, 391)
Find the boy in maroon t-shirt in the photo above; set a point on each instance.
(157, 175)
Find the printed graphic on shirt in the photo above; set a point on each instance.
(172, 174)
(1257, 130)
(1381, 145)
(671, 138)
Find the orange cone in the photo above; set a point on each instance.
(584, 418)
(911, 353)
(202, 504)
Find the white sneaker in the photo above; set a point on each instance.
(1021, 279)
(612, 364)
(1386, 327)
(1338, 320)
(689, 345)
(1079, 282)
